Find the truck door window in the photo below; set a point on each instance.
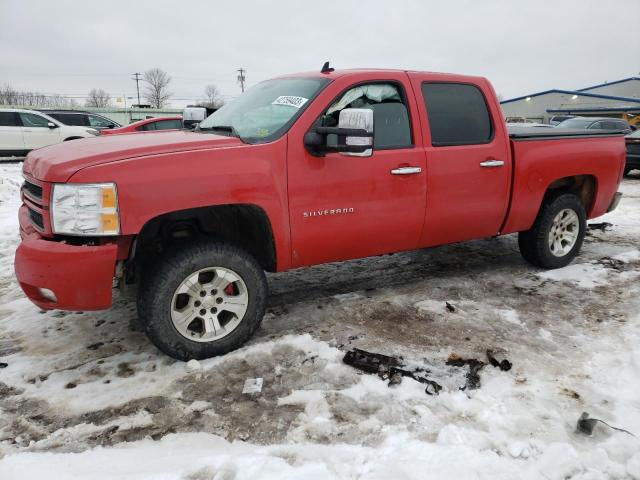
(457, 114)
(390, 115)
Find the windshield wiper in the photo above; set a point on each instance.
(222, 128)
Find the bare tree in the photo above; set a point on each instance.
(156, 91)
(10, 96)
(213, 99)
(98, 98)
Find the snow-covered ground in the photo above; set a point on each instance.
(85, 395)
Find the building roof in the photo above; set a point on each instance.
(606, 84)
(594, 109)
(574, 92)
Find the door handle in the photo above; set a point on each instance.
(406, 171)
(492, 163)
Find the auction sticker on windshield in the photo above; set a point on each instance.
(290, 101)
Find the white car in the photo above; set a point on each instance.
(25, 130)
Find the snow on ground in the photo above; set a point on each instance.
(85, 395)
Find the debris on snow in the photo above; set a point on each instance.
(602, 226)
(252, 385)
(473, 375)
(504, 364)
(389, 368)
(586, 425)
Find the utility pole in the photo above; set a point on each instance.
(241, 78)
(136, 77)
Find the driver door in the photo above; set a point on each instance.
(344, 206)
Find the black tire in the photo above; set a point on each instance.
(534, 243)
(71, 138)
(159, 284)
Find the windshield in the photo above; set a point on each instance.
(265, 111)
(635, 134)
(575, 123)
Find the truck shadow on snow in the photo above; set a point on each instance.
(479, 257)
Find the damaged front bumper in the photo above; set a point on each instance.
(56, 275)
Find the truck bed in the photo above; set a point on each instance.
(539, 133)
(539, 160)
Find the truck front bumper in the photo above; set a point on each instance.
(66, 277)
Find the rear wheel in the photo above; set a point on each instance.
(557, 234)
(205, 300)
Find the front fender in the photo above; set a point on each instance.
(154, 185)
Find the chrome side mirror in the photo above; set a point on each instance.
(358, 118)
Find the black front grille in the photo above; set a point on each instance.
(34, 190)
(36, 218)
(633, 147)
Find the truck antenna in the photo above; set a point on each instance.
(326, 68)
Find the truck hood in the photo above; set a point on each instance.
(57, 163)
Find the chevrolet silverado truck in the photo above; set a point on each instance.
(299, 170)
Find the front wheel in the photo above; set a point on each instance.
(205, 299)
(557, 234)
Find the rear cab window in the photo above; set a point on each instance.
(457, 113)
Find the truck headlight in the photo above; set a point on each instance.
(85, 209)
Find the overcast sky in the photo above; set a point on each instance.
(69, 47)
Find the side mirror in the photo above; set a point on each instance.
(52, 125)
(352, 136)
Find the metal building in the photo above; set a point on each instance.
(125, 116)
(619, 99)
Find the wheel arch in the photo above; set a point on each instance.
(245, 225)
(583, 186)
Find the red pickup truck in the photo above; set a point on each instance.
(299, 170)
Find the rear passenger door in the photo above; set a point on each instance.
(11, 139)
(467, 160)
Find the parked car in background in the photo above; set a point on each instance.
(24, 130)
(633, 152)
(148, 125)
(194, 114)
(556, 119)
(75, 118)
(529, 125)
(596, 123)
(518, 120)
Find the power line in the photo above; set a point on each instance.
(241, 78)
(137, 79)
